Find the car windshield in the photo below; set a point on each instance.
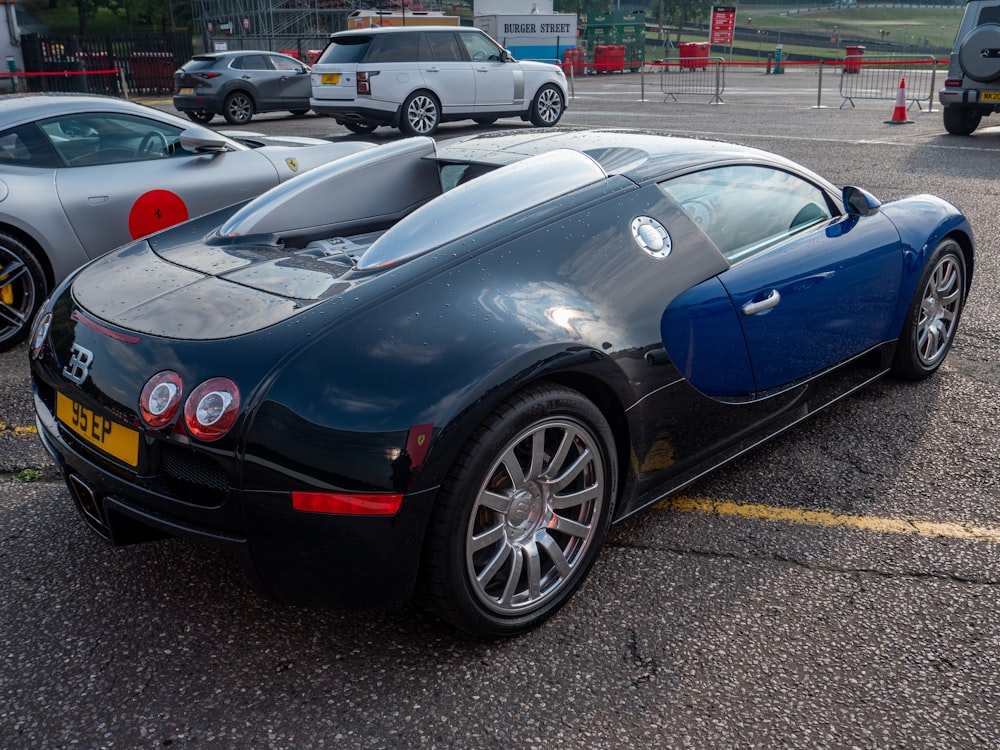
(346, 49)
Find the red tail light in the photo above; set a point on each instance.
(953, 83)
(347, 504)
(212, 408)
(206, 76)
(161, 399)
(364, 86)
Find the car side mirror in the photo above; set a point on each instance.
(202, 141)
(858, 202)
(505, 56)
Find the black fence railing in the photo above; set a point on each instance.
(88, 63)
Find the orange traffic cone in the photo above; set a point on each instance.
(899, 113)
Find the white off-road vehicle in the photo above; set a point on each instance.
(972, 88)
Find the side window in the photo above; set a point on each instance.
(283, 63)
(746, 209)
(394, 48)
(480, 46)
(103, 138)
(27, 147)
(440, 46)
(253, 62)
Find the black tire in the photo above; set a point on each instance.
(421, 114)
(961, 120)
(299, 112)
(356, 126)
(932, 318)
(484, 121)
(200, 117)
(22, 289)
(238, 108)
(500, 555)
(547, 106)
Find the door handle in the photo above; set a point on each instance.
(771, 301)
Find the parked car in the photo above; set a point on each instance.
(414, 78)
(972, 89)
(81, 175)
(240, 84)
(407, 372)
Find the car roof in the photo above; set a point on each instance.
(401, 29)
(19, 107)
(638, 155)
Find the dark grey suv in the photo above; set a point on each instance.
(238, 85)
(972, 88)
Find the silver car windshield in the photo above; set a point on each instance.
(483, 201)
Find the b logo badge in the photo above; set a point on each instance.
(80, 361)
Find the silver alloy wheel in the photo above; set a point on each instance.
(536, 516)
(422, 114)
(548, 107)
(20, 278)
(239, 109)
(939, 309)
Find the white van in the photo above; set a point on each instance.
(414, 78)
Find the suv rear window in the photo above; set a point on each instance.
(201, 62)
(989, 14)
(346, 49)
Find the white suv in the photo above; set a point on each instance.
(414, 78)
(972, 88)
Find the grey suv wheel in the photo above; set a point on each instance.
(238, 108)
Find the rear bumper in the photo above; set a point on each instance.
(384, 113)
(292, 556)
(967, 98)
(196, 103)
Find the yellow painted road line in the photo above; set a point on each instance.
(19, 430)
(829, 519)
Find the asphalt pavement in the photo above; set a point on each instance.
(836, 588)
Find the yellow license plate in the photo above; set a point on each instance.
(185, 91)
(114, 439)
(989, 96)
(331, 79)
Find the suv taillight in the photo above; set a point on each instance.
(953, 83)
(364, 87)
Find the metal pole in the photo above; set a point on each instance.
(819, 87)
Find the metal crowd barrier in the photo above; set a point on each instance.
(701, 76)
(879, 77)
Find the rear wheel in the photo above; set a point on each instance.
(961, 120)
(360, 126)
(22, 288)
(421, 114)
(547, 107)
(238, 108)
(932, 318)
(522, 514)
(200, 116)
(299, 112)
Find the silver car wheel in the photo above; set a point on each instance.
(421, 114)
(939, 310)
(536, 516)
(238, 108)
(547, 107)
(22, 286)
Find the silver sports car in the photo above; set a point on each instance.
(81, 175)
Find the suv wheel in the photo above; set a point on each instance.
(977, 55)
(238, 108)
(961, 120)
(421, 114)
(200, 115)
(360, 126)
(547, 107)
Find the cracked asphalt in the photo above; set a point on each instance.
(696, 629)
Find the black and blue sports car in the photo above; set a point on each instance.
(446, 369)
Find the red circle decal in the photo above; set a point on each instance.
(155, 210)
